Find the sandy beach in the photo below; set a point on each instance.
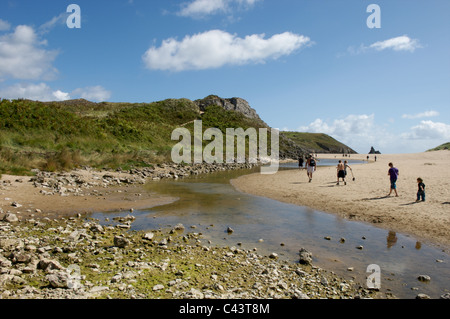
(365, 199)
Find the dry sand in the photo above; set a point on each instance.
(365, 199)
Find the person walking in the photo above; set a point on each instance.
(421, 190)
(393, 176)
(341, 172)
(300, 162)
(311, 167)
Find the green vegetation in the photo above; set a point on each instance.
(445, 146)
(63, 135)
(55, 136)
(318, 142)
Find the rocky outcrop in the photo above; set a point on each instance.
(234, 104)
(372, 151)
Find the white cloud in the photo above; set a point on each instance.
(61, 96)
(216, 48)
(402, 43)
(420, 115)
(201, 8)
(22, 56)
(357, 131)
(4, 25)
(93, 93)
(42, 92)
(38, 92)
(429, 130)
(58, 20)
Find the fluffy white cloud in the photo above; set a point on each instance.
(38, 92)
(216, 48)
(351, 125)
(22, 56)
(357, 131)
(429, 130)
(420, 115)
(93, 93)
(201, 8)
(402, 43)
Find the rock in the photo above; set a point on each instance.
(10, 244)
(96, 228)
(74, 236)
(16, 204)
(305, 257)
(148, 236)
(5, 262)
(445, 296)
(120, 241)
(327, 238)
(11, 218)
(230, 230)
(273, 256)
(179, 227)
(372, 151)
(21, 258)
(423, 296)
(158, 287)
(342, 240)
(11, 279)
(360, 247)
(49, 264)
(234, 104)
(424, 278)
(59, 279)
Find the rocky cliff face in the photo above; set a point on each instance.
(234, 104)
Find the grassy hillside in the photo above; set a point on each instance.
(445, 146)
(63, 135)
(318, 143)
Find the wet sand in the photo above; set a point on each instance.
(365, 199)
(89, 200)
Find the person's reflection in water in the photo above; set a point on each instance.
(391, 239)
(418, 245)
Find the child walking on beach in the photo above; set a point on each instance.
(393, 175)
(421, 190)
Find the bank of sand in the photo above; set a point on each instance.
(365, 199)
(34, 204)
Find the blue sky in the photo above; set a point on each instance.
(303, 65)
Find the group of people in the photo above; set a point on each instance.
(393, 173)
(311, 167)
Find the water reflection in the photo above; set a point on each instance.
(391, 239)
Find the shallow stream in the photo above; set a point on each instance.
(210, 204)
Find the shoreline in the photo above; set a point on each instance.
(365, 198)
